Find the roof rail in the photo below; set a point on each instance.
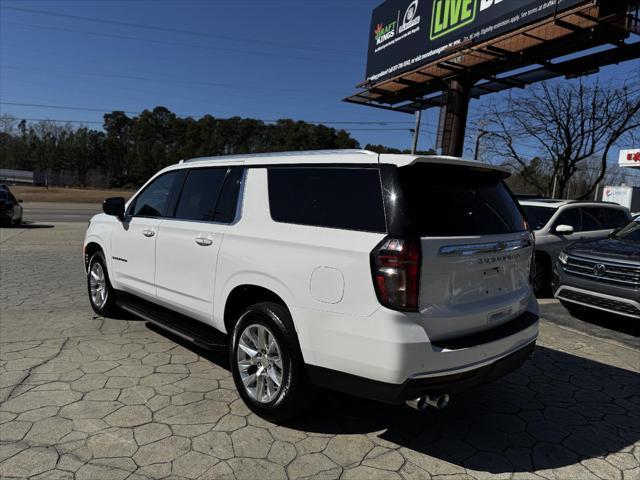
(282, 154)
(573, 202)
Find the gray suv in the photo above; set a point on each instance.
(557, 223)
(602, 275)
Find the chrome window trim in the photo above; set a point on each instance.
(484, 248)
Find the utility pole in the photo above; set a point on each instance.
(416, 132)
(481, 134)
(453, 118)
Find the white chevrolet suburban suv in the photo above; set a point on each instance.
(398, 278)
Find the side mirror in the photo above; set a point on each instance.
(114, 206)
(564, 230)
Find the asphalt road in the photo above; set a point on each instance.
(83, 396)
(59, 212)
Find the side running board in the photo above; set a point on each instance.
(180, 325)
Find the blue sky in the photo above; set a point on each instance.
(263, 59)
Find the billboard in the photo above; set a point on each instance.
(626, 196)
(630, 158)
(408, 33)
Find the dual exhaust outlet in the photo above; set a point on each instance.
(435, 401)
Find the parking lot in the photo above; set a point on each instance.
(88, 397)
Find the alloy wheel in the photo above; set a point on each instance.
(98, 285)
(260, 363)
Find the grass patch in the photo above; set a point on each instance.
(66, 195)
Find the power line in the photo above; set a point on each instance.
(165, 79)
(139, 96)
(65, 107)
(94, 122)
(203, 101)
(195, 33)
(106, 110)
(179, 44)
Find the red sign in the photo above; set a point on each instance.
(633, 156)
(630, 158)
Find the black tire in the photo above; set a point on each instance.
(18, 221)
(295, 394)
(109, 307)
(541, 281)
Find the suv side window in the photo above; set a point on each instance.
(346, 198)
(200, 194)
(571, 217)
(228, 199)
(595, 218)
(617, 218)
(154, 200)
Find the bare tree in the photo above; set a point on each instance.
(587, 175)
(7, 124)
(567, 124)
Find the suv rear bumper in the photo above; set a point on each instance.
(451, 383)
(390, 356)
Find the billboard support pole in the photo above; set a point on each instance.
(416, 132)
(458, 97)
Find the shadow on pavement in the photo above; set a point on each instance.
(554, 412)
(599, 324)
(613, 322)
(28, 225)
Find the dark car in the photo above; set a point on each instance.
(10, 209)
(602, 275)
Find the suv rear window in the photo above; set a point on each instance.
(451, 201)
(346, 198)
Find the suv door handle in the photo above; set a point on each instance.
(204, 241)
(147, 232)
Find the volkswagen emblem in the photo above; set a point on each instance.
(599, 270)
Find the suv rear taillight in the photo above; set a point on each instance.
(395, 266)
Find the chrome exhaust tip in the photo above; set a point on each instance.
(439, 402)
(421, 403)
